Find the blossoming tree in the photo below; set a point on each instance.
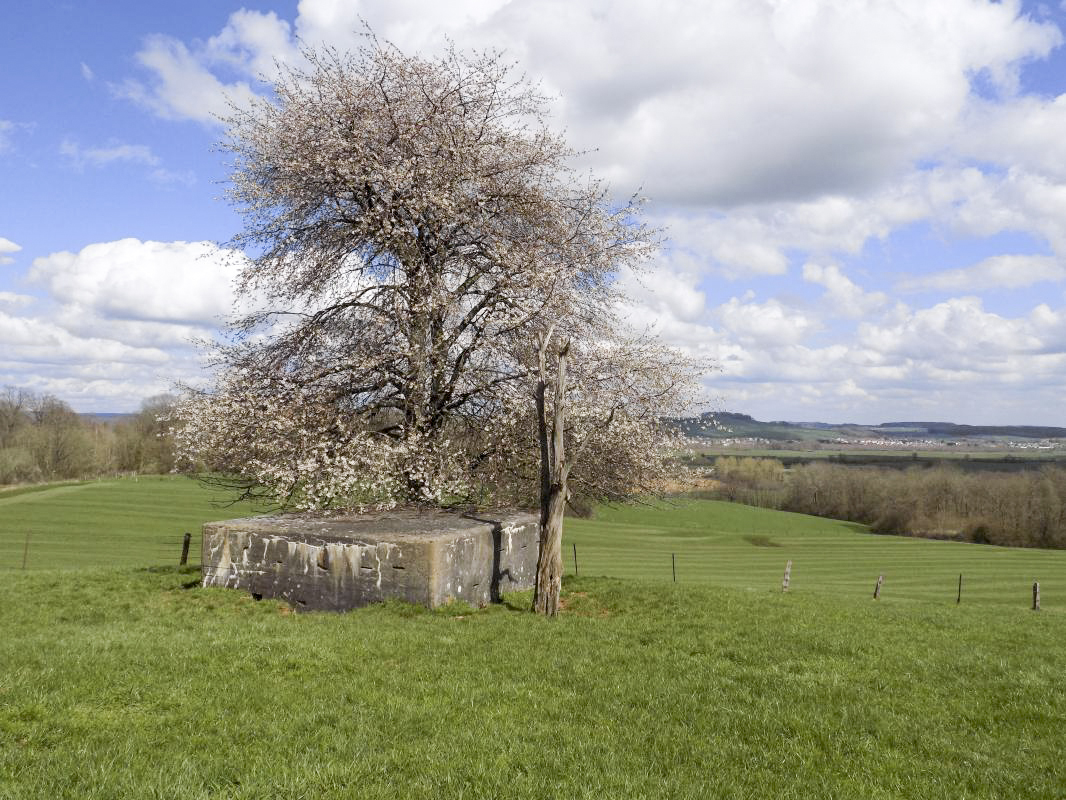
(418, 245)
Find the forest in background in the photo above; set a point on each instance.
(1018, 509)
(44, 439)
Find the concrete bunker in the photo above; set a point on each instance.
(336, 562)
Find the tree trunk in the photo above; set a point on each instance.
(549, 580)
(554, 471)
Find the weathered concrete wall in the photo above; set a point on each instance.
(338, 562)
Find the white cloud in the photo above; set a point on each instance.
(86, 72)
(251, 42)
(170, 282)
(765, 325)
(757, 239)
(953, 360)
(14, 300)
(1024, 131)
(719, 103)
(123, 153)
(959, 333)
(183, 87)
(117, 321)
(7, 246)
(103, 156)
(842, 296)
(184, 84)
(667, 292)
(39, 340)
(996, 272)
(733, 102)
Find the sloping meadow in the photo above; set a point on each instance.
(137, 683)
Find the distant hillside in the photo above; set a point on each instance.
(951, 429)
(731, 424)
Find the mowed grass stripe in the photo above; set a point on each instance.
(726, 544)
(120, 522)
(140, 522)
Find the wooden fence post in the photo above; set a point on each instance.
(1036, 595)
(788, 576)
(958, 598)
(673, 566)
(877, 588)
(185, 548)
(575, 558)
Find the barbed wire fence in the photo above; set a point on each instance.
(33, 550)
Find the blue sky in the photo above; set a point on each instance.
(865, 201)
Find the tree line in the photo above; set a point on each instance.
(1019, 509)
(43, 439)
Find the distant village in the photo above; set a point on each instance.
(890, 443)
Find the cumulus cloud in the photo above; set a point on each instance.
(1024, 131)
(954, 355)
(252, 42)
(130, 280)
(959, 333)
(733, 102)
(7, 246)
(842, 296)
(39, 340)
(996, 272)
(182, 86)
(116, 320)
(766, 325)
(719, 103)
(15, 300)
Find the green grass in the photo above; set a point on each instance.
(140, 522)
(119, 522)
(134, 682)
(727, 544)
(120, 684)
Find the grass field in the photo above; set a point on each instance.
(128, 684)
(132, 682)
(727, 544)
(140, 522)
(120, 522)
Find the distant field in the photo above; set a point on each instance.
(966, 460)
(1006, 457)
(136, 523)
(120, 522)
(727, 544)
(902, 454)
